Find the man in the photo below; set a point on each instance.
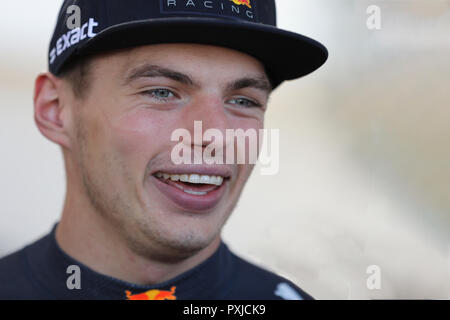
(123, 76)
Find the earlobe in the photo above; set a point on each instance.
(48, 109)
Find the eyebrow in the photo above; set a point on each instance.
(259, 82)
(153, 71)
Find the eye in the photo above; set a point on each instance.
(244, 102)
(160, 94)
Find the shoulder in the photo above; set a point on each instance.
(12, 274)
(255, 282)
(16, 279)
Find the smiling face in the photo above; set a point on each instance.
(121, 144)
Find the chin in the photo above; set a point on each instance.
(171, 244)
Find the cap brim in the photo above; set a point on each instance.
(286, 55)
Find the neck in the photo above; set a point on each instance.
(86, 236)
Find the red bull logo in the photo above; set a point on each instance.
(153, 295)
(242, 2)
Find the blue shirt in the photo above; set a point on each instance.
(42, 270)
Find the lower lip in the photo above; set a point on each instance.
(188, 201)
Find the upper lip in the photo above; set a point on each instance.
(210, 170)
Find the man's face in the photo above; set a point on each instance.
(121, 141)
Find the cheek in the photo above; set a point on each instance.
(245, 124)
(254, 125)
(140, 135)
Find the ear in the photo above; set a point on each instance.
(48, 109)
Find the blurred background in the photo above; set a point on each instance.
(364, 151)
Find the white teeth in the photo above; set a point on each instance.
(207, 179)
(192, 178)
(197, 193)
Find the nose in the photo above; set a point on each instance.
(205, 118)
(210, 110)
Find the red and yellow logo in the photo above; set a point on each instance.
(244, 2)
(153, 295)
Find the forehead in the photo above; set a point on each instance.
(200, 61)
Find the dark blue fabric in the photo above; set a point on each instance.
(39, 271)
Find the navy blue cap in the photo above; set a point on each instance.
(248, 26)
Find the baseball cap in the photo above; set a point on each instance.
(87, 27)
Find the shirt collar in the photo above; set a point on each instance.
(49, 268)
